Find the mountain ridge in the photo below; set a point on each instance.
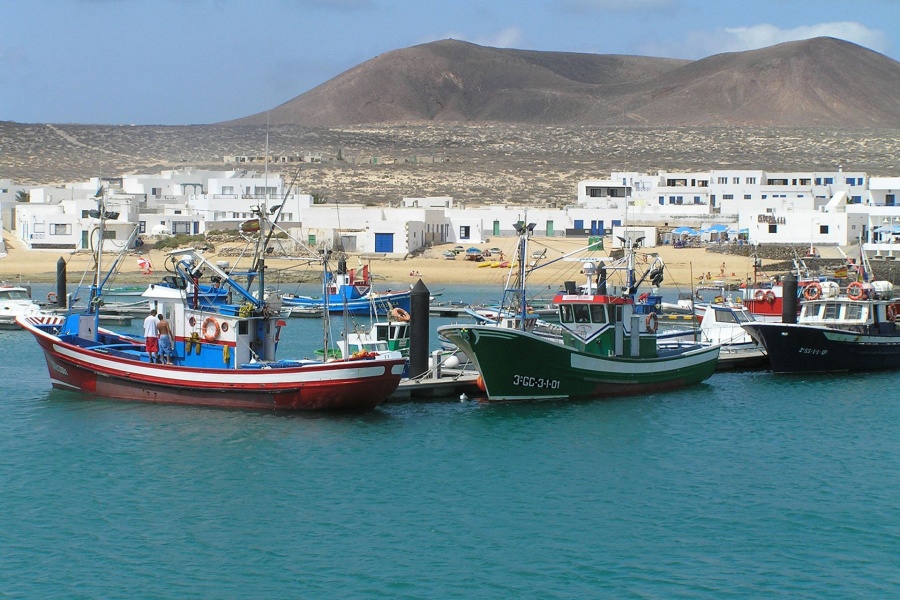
(814, 82)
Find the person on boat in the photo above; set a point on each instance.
(165, 340)
(151, 335)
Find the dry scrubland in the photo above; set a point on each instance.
(491, 164)
(495, 164)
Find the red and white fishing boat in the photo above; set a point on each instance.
(224, 354)
(765, 298)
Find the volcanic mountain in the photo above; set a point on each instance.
(814, 82)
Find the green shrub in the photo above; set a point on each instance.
(182, 239)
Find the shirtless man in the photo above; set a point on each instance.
(165, 340)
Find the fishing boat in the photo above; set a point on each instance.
(224, 353)
(350, 291)
(855, 330)
(15, 301)
(606, 347)
(722, 324)
(389, 337)
(764, 298)
(449, 254)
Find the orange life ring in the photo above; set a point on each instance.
(210, 334)
(813, 291)
(759, 295)
(51, 298)
(770, 297)
(855, 290)
(399, 314)
(652, 322)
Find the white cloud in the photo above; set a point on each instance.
(510, 37)
(735, 39)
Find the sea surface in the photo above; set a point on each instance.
(749, 485)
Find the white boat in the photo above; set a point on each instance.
(15, 301)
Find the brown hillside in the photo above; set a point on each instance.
(815, 82)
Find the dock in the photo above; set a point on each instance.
(450, 385)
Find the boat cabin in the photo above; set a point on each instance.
(606, 326)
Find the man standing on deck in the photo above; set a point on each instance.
(151, 335)
(165, 340)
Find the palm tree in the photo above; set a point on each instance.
(23, 196)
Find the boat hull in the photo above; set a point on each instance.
(517, 365)
(342, 385)
(797, 348)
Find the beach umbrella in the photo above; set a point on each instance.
(717, 228)
(684, 231)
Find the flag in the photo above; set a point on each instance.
(145, 265)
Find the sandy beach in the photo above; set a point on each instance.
(682, 265)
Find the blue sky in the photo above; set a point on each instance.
(177, 62)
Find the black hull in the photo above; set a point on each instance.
(809, 349)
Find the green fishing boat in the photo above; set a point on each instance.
(608, 345)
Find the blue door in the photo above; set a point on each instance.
(384, 242)
(596, 227)
(579, 224)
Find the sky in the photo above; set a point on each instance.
(180, 62)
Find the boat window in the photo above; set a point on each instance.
(15, 295)
(598, 313)
(832, 310)
(565, 314)
(243, 328)
(725, 316)
(809, 310)
(617, 312)
(742, 316)
(582, 314)
(855, 312)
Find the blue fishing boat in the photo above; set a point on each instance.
(351, 290)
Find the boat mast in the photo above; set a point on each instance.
(263, 216)
(524, 231)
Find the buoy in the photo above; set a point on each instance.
(480, 383)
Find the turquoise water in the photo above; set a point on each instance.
(749, 485)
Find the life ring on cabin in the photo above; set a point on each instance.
(813, 291)
(652, 322)
(855, 290)
(770, 297)
(892, 311)
(210, 329)
(399, 314)
(51, 298)
(760, 295)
